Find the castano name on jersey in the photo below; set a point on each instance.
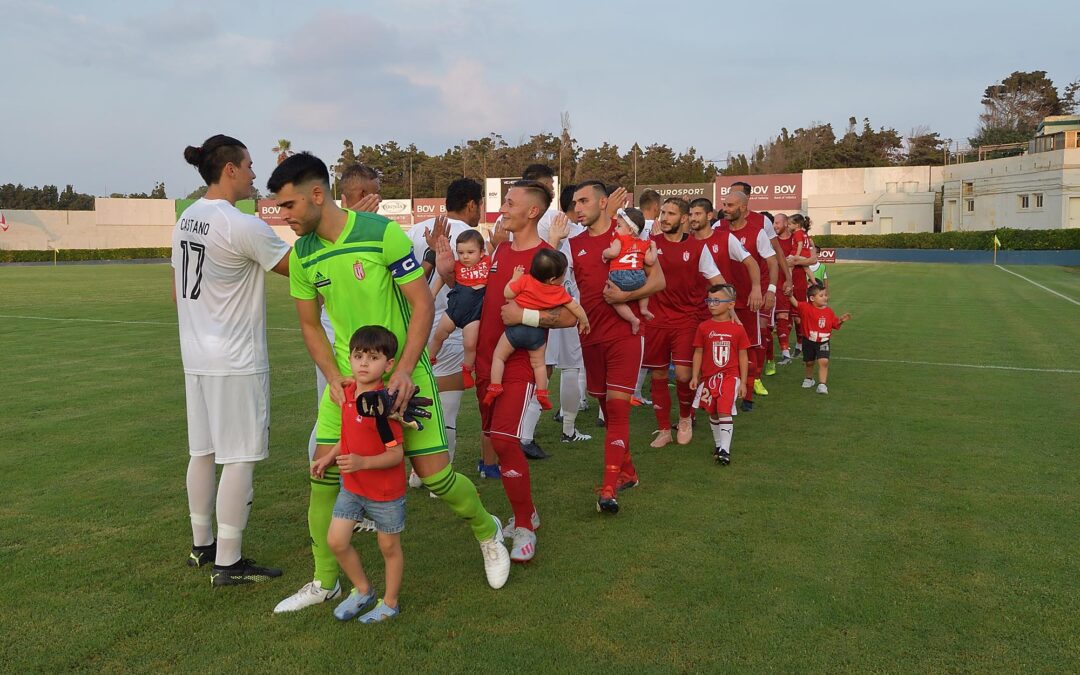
(196, 226)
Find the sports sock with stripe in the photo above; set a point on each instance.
(686, 398)
(233, 506)
(661, 403)
(722, 430)
(324, 493)
(616, 440)
(200, 492)
(459, 493)
(569, 398)
(451, 403)
(514, 468)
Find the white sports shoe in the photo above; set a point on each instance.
(822, 389)
(807, 383)
(365, 525)
(311, 594)
(414, 480)
(524, 546)
(510, 528)
(496, 558)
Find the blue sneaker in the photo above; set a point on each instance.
(354, 604)
(488, 470)
(381, 612)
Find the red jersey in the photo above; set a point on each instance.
(752, 236)
(503, 262)
(679, 304)
(720, 343)
(477, 275)
(727, 253)
(360, 436)
(631, 255)
(800, 237)
(591, 273)
(533, 294)
(818, 323)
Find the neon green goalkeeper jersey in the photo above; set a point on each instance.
(358, 277)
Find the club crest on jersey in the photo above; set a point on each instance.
(715, 248)
(358, 270)
(821, 322)
(686, 256)
(721, 352)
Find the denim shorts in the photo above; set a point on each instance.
(526, 337)
(389, 516)
(627, 280)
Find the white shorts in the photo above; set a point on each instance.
(449, 360)
(228, 416)
(564, 348)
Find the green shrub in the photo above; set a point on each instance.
(66, 255)
(1015, 240)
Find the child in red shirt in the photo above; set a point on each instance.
(541, 288)
(372, 462)
(465, 300)
(818, 323)
(627, 258)
(720, 367)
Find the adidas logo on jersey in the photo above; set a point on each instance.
(320, 280)
(581, 253)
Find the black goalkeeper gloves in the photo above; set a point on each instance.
(380, 402)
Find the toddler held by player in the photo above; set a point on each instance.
(465, 300)
(371, 457)
(720, 367)
(541, 288)
(627, 258)
(818, 322)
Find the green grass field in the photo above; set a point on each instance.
(919, 518)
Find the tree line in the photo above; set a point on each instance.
(1012, 110)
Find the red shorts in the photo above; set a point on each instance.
(612, 365)
(783, 303)
(751, 324)
(717, 394)
(505, 416)
(669, 345)
(799, 283)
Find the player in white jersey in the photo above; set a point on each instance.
(464, 207)
(220, 257)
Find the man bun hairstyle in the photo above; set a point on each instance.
(299, 169)
(547, 264)
(211, 157)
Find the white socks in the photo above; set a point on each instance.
(200, 491)
(569, 398)
(233, 506)
(722, 430)
(532, 416)
(451, 403)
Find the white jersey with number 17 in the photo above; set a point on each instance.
(220, 257)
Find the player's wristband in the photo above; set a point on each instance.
(530, 317)
(771, 289)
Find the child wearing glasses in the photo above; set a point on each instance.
(720, 367)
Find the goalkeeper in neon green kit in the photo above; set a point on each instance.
(362, 266)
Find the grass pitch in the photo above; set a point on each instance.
(921, 517)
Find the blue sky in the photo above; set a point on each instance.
(105, 95)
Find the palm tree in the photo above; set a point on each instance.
(283, 149)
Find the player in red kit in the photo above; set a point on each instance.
(755, 313)
(501, 419)
(724, 247)
(611, 351)
(689, 269)
(720, 367)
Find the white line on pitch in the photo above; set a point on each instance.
(1048, 290)
(960, 365)
(115, 321)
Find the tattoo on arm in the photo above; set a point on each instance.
(549, 318)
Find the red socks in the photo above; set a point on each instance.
(515, 478)
(661, 402)
(783, 327)
(542, 397)
(493, 391)
(616, 441)
(686, 398)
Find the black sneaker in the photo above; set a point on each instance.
(202, 555)
(558, 415)
(243, 571)
(723, 458)
(601, 422)
(747, 406)
(607, 503)
(533, 451)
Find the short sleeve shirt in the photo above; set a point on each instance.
(220, 257)
(476, 275)
(358, 277)
(720, 343)
(818, 322)
(533, 294)
(631, 253)
(360, 436)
